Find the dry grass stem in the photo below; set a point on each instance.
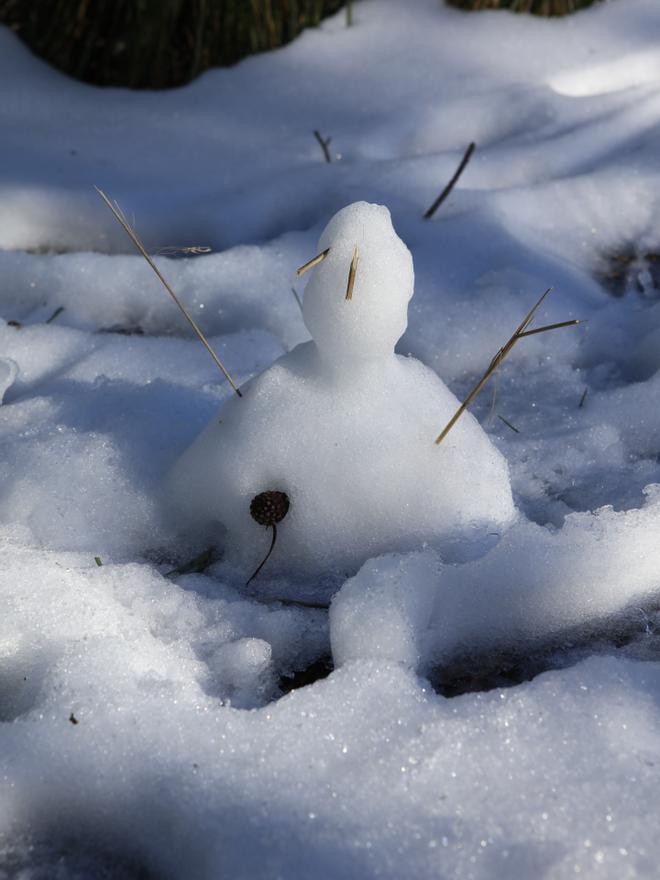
(138, 244)
(551, 327)
(352, 273)
(452, 183)
(313, 262)
(494, 364)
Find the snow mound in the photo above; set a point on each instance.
(345, 428)
(534, 585)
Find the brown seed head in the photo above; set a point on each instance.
(269, 508)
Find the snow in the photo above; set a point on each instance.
(145, 724)
(345, 428)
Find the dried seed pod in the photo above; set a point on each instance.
(268, 509)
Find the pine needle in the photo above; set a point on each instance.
(352, 272)
(119, 216)
(313, 262)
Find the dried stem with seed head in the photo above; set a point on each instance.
(313, 262)
(138, 244)
(452, 183)
(494, 364)
(352, 273)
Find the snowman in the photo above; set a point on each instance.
(335, 441)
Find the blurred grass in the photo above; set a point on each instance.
(155, 44)
(536, 7)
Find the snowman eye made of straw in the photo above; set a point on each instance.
(350, 284)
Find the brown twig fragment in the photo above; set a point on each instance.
(324, 144)
(313, 262)
(452, 183)
(352, 273)
(119, 216)
(494, 364)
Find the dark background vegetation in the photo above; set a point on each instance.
(158, 44)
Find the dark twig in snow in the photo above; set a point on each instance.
(324, 144)
(452, 183)
(58, 311)
(297, 298)
(138, 244)
(583, 398)
(508, 424)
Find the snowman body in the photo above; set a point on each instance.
(346, 428)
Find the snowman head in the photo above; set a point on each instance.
(367, 326)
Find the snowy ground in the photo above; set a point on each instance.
(143, 729)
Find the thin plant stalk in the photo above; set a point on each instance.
(452, 183)
(494, 364)
(138, 244)
(266, 557)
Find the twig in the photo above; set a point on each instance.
(313, 262)
(583, 398)
(494, 364)
(297, 298)
(352, 272)
(508, 424)
(452, 183)
(58, 311)
(324, 143)
(138, 244)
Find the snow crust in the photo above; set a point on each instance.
(144, 729)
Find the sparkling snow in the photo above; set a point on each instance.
(151, 723)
